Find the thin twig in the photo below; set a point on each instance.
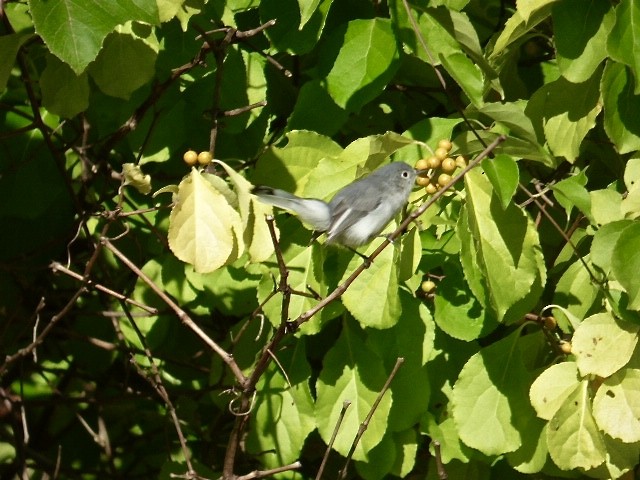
(365, 424)
(182, 315)
(268, 473)
(442, 473)
(336, 428)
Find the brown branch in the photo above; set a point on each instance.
(336, 428)
(181, 314)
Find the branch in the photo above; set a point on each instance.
(182, 315)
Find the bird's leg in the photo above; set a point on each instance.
(367, 260)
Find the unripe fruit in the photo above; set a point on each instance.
(204, 158)
(433, 162)
(565, 347)
(446, 144)
(444, 179)
(428, 286)
(441, 153)
(431, 189)
(550, 323)
(421, 164)
(448, 165)
(460, 161)
(423, 181)
(190, 157)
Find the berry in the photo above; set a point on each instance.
(431, 189)
(423, 181)
(460, 161)
(190, 157)
(446, 144)
(421, 164)
(444, 179)
(448, 165)
(204, 158)
(428, 286)
(433, 162)
(441, 153)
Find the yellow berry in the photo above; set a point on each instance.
(428, 286)
(431, 189)
(204, 158)
(441, 153)
(444, 179)
(565, 347)
(550, 323)
(422, 164)
(460, 161)
(423, 181)
(448, 165)
(190, 157)
(433, 162)
(446, 144)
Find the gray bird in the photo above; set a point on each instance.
(358, 212)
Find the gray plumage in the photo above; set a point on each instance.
(358, 212)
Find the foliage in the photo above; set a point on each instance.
(156, 321)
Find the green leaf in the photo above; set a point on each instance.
(306, 116)
(620, 106)
(457, 311)
(74, 30)
(373, 297)
(351, 372)
(290, 166)
(566, 112)
(307, 9)
(616, 406)
(606, 206)
(507, 252)
(581, 29)
(466, 74)
(602, 344)
(293, 33)
(528, 8)
(576, 290)
(621, 44)
(365, 64)
(519, 26)
(604, 242)
(552, 388)
(257, 238)
(502, 172)
(63, 92)
(571, 192)
(284, 410)
(9, 46)
(512, 116)
(493, 380)
(124, 65)
(573, 437)
(203, 228)
(626, 263)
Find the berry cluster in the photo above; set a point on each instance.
(439, 165)
(190, 157)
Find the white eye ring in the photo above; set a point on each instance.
(405, 174)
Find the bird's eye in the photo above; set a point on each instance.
(405, 174)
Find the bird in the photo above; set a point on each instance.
(358, 212)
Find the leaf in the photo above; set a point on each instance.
(606, 206)
(620, 106)
(351, 372)
(527, 8)
(365, 64)
(616, 406)
(63, 92)
(572, 436)
(512, 116)
(284, 410)
(507, 252)
(124, 65)
(604, 242)
(307, 9)
(581, 29)
(133, 176)
(566, 112)
(75, 29)
(289, 167)
(493, 380)
(519, 26)
(502, 172)
(203, 228)
(306, 116)
(576, 290)
(603, 344)
(621, 45)
(625, 262)
(373, 297)
(257, 238)
(466, 74)
(571, 192)
(552, 388)
(9, 46)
